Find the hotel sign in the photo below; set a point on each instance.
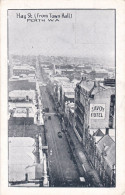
(97, 111)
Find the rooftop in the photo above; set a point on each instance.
(87, 84)
(97, 89)
(98, 133)
(31, 75)
(110, 155)
(101, 70)
(23, 112)
(71, 104)
(106, 140)
(97, 138)
(26, 78)
(22, 94)
(23, 130)
(106, 90)
(20, 156)
(26, 67)
(75, 81)
(69, 95)
(68, 89)
(61, 78)
(20, 104)
(111, 133)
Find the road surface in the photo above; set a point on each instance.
(62, 168)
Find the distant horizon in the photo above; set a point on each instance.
(83, 34)
(96, 60)
(62, 56)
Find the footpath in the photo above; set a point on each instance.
(84, 167)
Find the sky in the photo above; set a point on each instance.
(87, 33)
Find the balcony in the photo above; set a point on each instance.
(79, 121)
(79, 126)
(81, 107)
(79, 131)
(78, 112)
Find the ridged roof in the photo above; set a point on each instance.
(98, 133)
(87, 84)
(105, 141)
(110, 155)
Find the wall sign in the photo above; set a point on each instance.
(97, 111)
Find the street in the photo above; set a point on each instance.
(64, 163)
(62, 168)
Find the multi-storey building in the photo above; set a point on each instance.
(67, 94)
(94, 107)
(69, 112)
(54, 87)
(100, 149)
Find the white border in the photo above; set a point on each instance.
(119, 5)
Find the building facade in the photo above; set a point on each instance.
(94, 107)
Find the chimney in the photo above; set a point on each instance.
(27, 112)
(95, 83)
(27, 98)
(84, 78)
(26, 177)
(107, 131)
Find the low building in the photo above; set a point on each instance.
(63, 69)
(79, 68)
(23, 115)
(27, 162)
(24, 69)
(98, 74)
(22, 107)
(22, 95)
(22, 83)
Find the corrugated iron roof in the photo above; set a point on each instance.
(106, 140)
(110, 155)
(20, 156)
(22, 159)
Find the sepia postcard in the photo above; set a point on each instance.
(62, 98)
